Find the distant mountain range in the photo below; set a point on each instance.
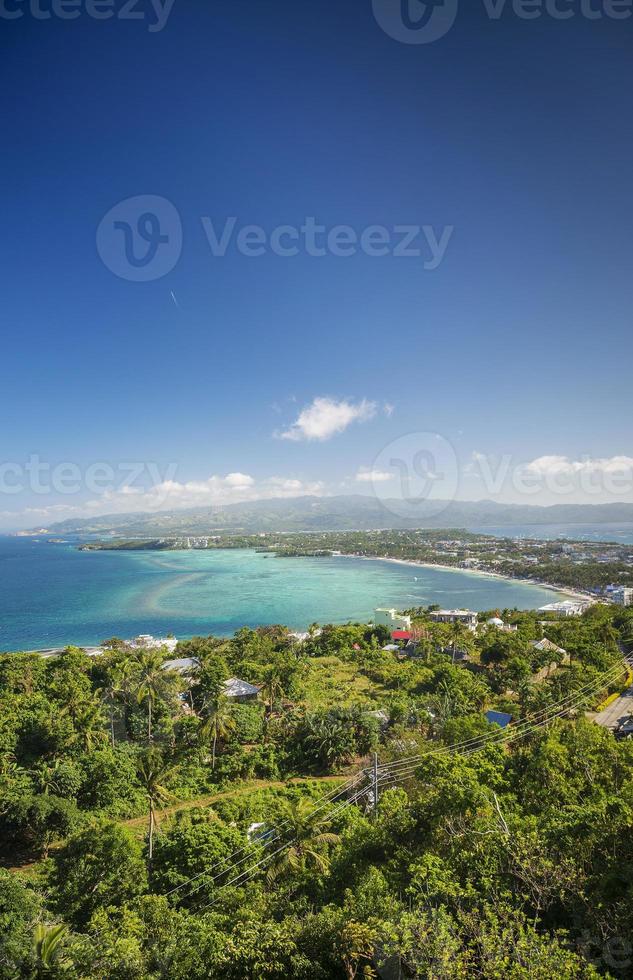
(341, 513)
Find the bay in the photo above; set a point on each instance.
(53, 594)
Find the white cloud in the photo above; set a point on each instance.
(170, 495)
(326, 417)
(388, 409)
(564, 466)
(239, 480)
(373, 476)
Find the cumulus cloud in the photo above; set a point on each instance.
(564, 466)
(373, 476)
(171, 494)
(327, 417)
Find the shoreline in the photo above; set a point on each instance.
(34, 647)
(562, 590)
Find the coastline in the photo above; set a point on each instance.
(562, 590)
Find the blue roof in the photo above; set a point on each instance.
(498, 718)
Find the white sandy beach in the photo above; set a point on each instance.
(570, 593)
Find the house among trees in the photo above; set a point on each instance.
(239, 690)
(466, 617)
(391, 618)
(562, 658)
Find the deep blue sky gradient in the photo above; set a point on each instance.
(516, 132)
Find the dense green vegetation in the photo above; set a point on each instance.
(127, 792)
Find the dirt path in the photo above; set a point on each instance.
(138, 825)
(245, 789)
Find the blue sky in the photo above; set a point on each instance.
(511, 136)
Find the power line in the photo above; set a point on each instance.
(389, 773)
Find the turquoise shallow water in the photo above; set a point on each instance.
(51, 594)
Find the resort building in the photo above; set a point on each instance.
(148, 642)
(394, 620)
(622, 596)
(464, 616)
(566, 608)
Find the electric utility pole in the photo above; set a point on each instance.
(375, 782)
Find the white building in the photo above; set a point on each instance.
(623, 596)
(500, 625)
(148, 642)
(566, 608)
(394, 620)
(464, 616)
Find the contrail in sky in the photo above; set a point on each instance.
(173, 296)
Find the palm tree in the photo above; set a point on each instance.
(608, 635)
(219, 723)
(89, 722)
(152, 682)
(116, 688)
(458, 636)
(48, 948)
(154, 772)
(272, 687)
(308, 833)
(46, 777)
(331, 741)
(87, 719)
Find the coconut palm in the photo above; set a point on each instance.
(89, 725)
(219, 723)
(116, 689)
(154, 773)
(308, 835)
(272, 687)
(460, 638)
(152, 682)
(329, 739)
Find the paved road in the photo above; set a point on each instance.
(620, 710)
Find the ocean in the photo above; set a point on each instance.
(618, 533)
(52, 594)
